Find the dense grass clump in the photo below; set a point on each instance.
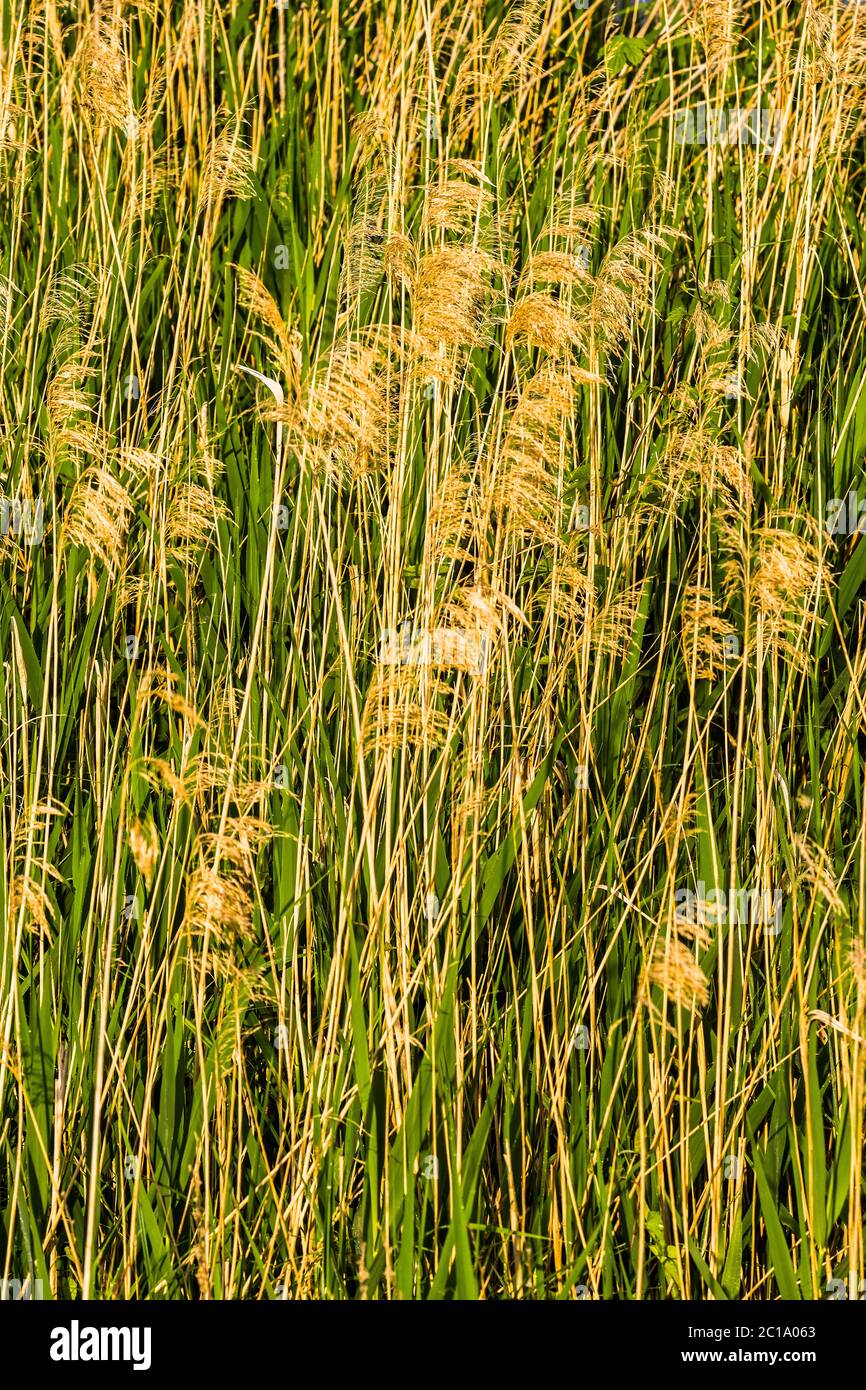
(432, 721)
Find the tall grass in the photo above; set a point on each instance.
(432, 714)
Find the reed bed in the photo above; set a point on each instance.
(432, 727)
